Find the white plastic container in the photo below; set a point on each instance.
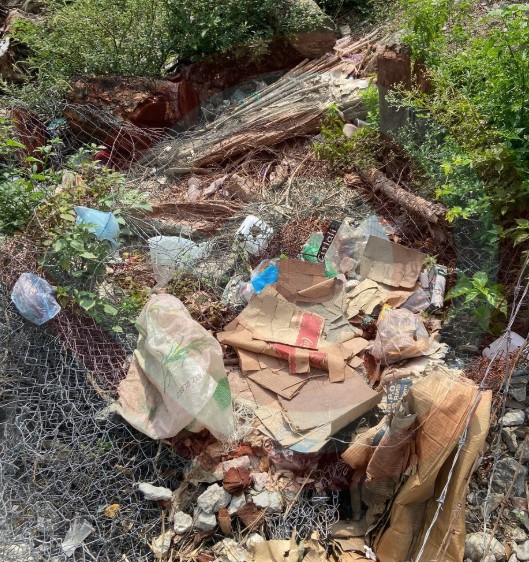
(254, 235)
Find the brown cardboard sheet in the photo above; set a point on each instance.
(391, 264)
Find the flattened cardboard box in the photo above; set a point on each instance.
(392, 264)
(320, 409)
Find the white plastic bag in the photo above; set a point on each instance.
(400, 335)
(171, 252)
(177, 377)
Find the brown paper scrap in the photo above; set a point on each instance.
(271, 319)
(392, 264)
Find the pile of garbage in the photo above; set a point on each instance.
(336, 383)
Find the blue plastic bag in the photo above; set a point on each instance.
(266, 277)
(34, 298)
(105, 226)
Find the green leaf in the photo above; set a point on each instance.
(109, 309)
(117, 329)
(87, 303)
(67, 217)
(88, 256)
(14, 143)
(481, 278)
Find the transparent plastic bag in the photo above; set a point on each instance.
(347, 248)
(400, 335)
(170, 252)
(34, 298)
(177, 378)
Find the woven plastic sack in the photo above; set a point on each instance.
(34, 298)
(401, 335)
(177, 377)
(104, 225)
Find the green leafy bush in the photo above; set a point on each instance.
(143, 37)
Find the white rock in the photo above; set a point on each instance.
(182, 522)
(475, 546)
(514, 417)
(522, 551)
(253, 539)
(236, 503)
(161, 545)
(260, 480)
(154, 493)
(204, 521)
(213, 499)
(239, 462)
(269, 501)
(513, 558)
(232, 551)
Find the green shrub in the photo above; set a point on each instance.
(143, 37)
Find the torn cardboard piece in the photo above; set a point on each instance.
(329, 357)
(275, 320)
(320, 409)
(321, 403)
(391, 264)
(303, 281)
(368, 294)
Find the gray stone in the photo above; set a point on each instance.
(514, 404)
(513, 418)
(236, 503)
(509, 438)
(154, 493)
(503, 478)
(517, 534)
(518, 393)
(182, 522)
(204, 521)
(213, 499)
(269, 501)
(476, 543)
(522, 551)
(513, 558)
(523, 455)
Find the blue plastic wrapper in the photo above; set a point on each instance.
(105, 226)
(34, 298)
(266, 277)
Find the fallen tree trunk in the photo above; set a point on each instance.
(427, 210)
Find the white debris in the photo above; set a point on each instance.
(260, 480)
(232, 551)
(154, 493)
(182, 522)
(204, 521)
(79, 530)
(161, 545)
(236, 503)
(514, 417)
(269, 501)
(253, 539)
(213, 499)
(239, 462)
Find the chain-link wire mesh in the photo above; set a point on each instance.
(63, 457)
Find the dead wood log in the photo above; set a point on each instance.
(429, 211)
